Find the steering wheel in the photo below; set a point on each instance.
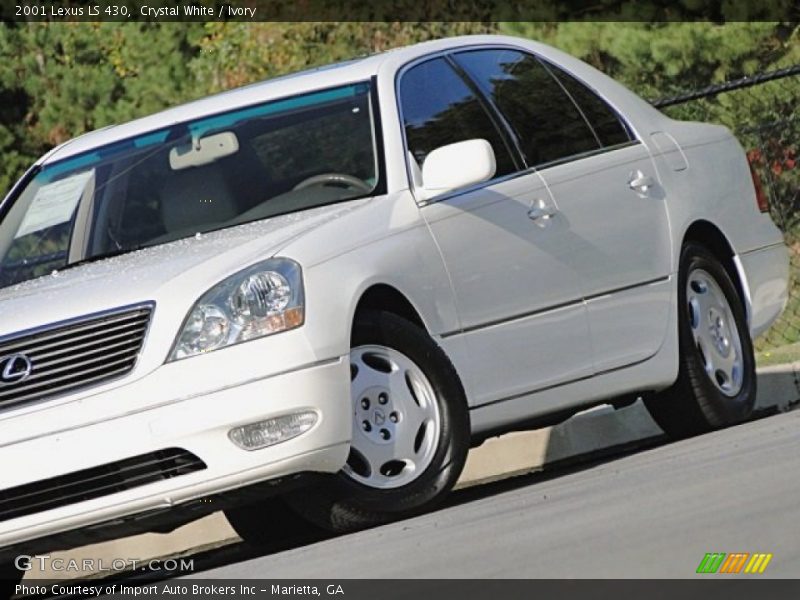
(334, 180)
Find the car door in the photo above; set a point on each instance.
(617, 209)
(611, 212)
(522, 317)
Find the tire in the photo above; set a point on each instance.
(269, 522)
(411, 430)
(716, 385)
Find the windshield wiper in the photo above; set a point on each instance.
(95, 258)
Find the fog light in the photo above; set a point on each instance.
(272, 431)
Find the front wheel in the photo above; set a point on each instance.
(716, 385)
(410, 429)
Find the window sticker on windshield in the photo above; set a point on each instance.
(54, 203)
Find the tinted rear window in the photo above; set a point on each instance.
(603, 119)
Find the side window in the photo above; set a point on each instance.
(605, 122)
(439, 109)
(547, 123)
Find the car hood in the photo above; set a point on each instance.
(173, 274)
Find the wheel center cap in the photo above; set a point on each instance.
(719, 333)
(378, 417)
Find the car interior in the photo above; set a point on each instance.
(282, 164)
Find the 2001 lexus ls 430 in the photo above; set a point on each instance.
(361, 271)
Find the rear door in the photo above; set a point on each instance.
(611, 212)
(522, 316)
(617, 207)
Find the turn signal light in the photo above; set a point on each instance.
(269, 432)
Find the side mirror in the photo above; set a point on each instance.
(457, 165)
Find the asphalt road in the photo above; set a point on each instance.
(653, 513)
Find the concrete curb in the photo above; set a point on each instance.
(598, 429)
(601, 428)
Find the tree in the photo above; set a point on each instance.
(233, 54)
(59, 80)
(661, 59)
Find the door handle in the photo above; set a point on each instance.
(541, 211)
(639, 182)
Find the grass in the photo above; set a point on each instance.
(778, 356)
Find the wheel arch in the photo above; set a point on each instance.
(711, 237)
(382, 296)
(379, 295)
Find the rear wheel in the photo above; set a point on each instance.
(410, 429)
(716, 384)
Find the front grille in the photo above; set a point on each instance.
(67, 357)
(96, 482)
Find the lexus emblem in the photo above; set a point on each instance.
(14, 368)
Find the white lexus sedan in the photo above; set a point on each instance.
(326, 287)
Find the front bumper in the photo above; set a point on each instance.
(198, 423)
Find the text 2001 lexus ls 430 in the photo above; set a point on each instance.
(360, 271)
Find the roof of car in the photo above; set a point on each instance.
(358, 69)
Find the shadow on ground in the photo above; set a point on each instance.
(208, 559)
(237, 552)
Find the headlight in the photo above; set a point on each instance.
(261, 300)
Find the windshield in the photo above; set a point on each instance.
(240, 166)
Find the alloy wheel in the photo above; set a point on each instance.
(715, 333)
(396, 418)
